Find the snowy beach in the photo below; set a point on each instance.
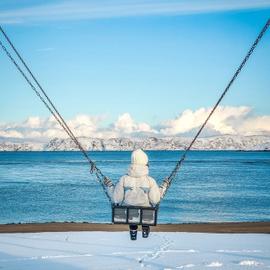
(114, 250)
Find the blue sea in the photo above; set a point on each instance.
(211, 186)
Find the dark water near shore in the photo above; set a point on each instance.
(211, 186)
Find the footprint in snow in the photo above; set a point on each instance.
(185, 266)
(153, 255)
(250, 263)
(214, 264)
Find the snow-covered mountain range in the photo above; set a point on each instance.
(226, 142)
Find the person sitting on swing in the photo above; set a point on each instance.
(137, 188)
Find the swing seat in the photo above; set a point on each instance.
(134, 215)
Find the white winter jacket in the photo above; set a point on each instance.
(136, 188)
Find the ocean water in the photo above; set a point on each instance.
(211, 186)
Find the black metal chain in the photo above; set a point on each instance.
(174, 172)
(51, 107)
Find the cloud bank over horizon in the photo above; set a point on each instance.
(227, 120)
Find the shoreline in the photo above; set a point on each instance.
(221, 227)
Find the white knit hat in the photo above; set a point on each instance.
(139, 157)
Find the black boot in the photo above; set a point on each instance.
(145, 231)
(133, 232)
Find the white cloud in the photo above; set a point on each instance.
(255, 125)
(50, 133)
(96, 9)
(83, 125)
(226, 120)
(37, 128)
(11, 134)
(125, 124)
(33, 122)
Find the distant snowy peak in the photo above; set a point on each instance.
(15, 146)
(228, 142)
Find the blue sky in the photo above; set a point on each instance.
(149, 59)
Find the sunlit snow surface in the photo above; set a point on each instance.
(114, 250)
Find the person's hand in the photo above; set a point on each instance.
(107, 182)
(165, 183)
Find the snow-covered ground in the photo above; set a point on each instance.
(114, 250)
